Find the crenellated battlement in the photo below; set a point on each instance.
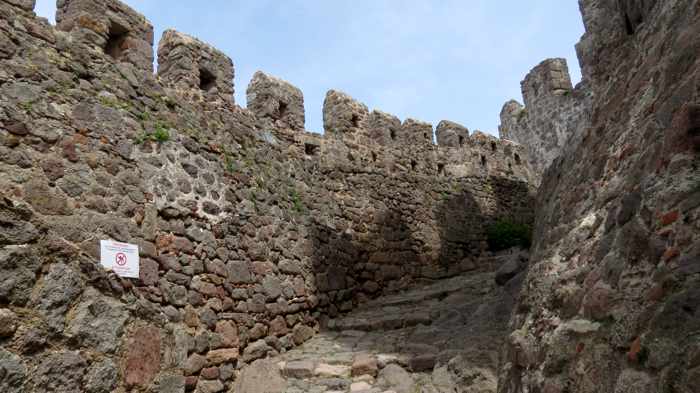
(276, 102)
(194, 69)
(115, 28)
(343, 115)
(553, 112)
(549, 78)
(187, 63)
(451, 134)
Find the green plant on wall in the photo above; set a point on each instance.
(160, 134)
(296, 201)
(229, 163)
(504, 234)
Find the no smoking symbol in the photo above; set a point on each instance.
(121, 259)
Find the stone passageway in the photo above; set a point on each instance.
(440, 337)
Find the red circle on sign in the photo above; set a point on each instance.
(121, 259)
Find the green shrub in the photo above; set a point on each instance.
(297, 204)
(505, 234)
(160, 135)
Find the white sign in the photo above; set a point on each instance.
(122, 258)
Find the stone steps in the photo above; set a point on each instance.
(398, 311)
(400, 343)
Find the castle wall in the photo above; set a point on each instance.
(553, 112)
(611, 301)
(251, 231)
(277, 102)
(451, 134)
(188, 64)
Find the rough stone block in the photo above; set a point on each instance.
(416, 132)
(549, 77)
(384, 128)
(276, 100)
(222, 355)
(24, 4)
(98, 322)
(8, 322)
(364, 364)
(451, 134)
(187, 63)
(59, 372)
(123, 34)
(142, 361)
(343, 114)
(299, 369)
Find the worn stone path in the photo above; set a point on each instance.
(442, 337)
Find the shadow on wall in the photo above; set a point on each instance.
(465, 216)
(350, 267)
(398, 248)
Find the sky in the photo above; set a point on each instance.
(430, 60)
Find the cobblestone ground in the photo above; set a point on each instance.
(442, 337)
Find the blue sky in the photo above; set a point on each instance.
(457, 60)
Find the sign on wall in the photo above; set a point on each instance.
(122, 258)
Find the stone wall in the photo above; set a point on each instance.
(553, 112)
(251, 231)
(611, 301)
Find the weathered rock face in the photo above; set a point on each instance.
(273, 99)
(451, 134)
(554, 112)
(121, 33)
(186, 63)
(342, 114)
(251, 231)
(612, 299)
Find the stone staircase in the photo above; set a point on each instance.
(440, 337)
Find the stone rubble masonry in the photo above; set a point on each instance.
(384, 128)
(612, 299)
(112, 26)
(451, 134)
(187, 63)
(252, 232)
(278, 101)
(343, 114)
(553, 112)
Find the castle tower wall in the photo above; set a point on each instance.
(384, 127)
(343, 114)
(416, 132)
(119, 31)
(276, 101)
(187, 63)
(553, 112)
(451, 134)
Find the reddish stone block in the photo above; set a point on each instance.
(69, 151)
(191, 382)
(148, 271)
(669, 218)
(142, 361)
(278, 326)
(670, 254)
(635, 349)
(597, 302)
(210, 373)
(229, 333)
